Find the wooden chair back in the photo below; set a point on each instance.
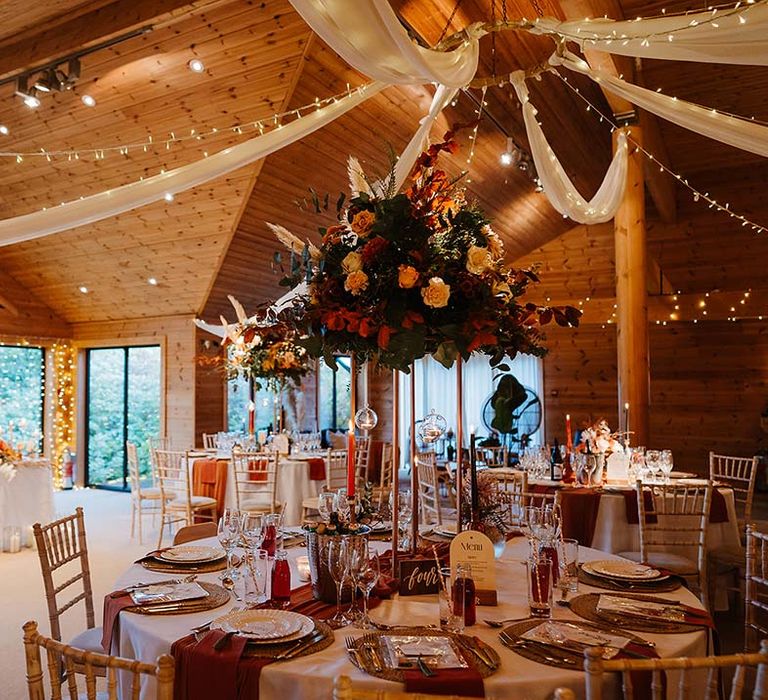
(200, 531)
(385, 473)
(173, 478)
(429, 489)
(596, 667)
(255, 474)
(66, 665)
(756, 584)
(676, 517)
(491, 456)
(58, 544)
(344, 690)
(362, 460)
(134, 469)
(209, 441)
(335, 470)
(539, 500)
(511, 489)
(739, 474)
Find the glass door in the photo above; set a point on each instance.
(122, 403)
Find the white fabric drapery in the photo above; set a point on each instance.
(736, 132)
(558, 187)
(368, 35)
(153, 189)
(436, 388)
(726, 36)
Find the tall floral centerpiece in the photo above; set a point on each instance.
(8, 456)
(402, 275)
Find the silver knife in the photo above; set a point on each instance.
(293, 651)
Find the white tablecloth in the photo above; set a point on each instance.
(146, 637)
(27, 498)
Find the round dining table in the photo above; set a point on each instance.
(27, 498)
(145, 637)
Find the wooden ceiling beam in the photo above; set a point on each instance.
(90, 29)
(660, 185)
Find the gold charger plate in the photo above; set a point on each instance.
(672, 583)
(585, 606)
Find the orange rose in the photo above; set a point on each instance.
(407, 276)
(436, 294)
(352, 262)
(356, 282)
(362, 222)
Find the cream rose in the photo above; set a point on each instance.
(478, 259)
(436, 294)
(352, 262)
(495, 244)
(362, 222)
(356, 282)
(407, 276)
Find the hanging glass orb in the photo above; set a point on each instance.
(432, 427)
(366, 418)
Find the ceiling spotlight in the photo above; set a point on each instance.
(48, 81)
(31, 101)
(88, 101)
(4, 130)
(196, 65)
(26, 94)
(84, 290)
(168, 196)
(152, 281)
(511, 155)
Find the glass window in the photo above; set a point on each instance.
(22, 382)
(237, 407)
(334, 398)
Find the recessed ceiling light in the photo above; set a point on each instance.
(84, 290)
(168, 196)
(196, 65)
(31, 101)
(88, 101)
(3, 130)
(152, 281)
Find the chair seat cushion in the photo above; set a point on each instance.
(258, 505)
(310, 503)
(151, 492)
(197, 502)
(89, 640)
(674, 562)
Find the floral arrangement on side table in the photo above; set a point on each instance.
(415, 273)
(8, 455)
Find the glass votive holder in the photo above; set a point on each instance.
(569, 565)
(11, 539)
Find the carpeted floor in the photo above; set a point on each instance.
(110, 549)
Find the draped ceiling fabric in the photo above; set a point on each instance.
(558, 187)
(726, 36)
(741, 133)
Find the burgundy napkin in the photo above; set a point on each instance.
(209, 478)
(642, 681)
(257, 469)
(316, 469)
(579, 510)
(203, 673)
(113, 605)
(450, 681)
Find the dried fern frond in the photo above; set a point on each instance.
(293, 242)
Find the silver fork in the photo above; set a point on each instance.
(511, 643)
(352, 649)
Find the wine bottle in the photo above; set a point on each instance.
(555, 472)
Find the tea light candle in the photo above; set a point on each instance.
(302, 565)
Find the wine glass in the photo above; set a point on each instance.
(229, 533)
(326, 502)
(250, 526)
(338, 565)
(652, 459)
(342, 504)
(667, 464)
(366, 575)
(591, 468)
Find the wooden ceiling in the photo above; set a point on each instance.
(260, 57)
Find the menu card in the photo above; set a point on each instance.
(476, 549)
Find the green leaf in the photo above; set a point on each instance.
(446, 354)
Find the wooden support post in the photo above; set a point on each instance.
(631, 294)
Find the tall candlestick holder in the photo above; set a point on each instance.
(414, 466)
(459, 441)
(395, 482)
(352, 460)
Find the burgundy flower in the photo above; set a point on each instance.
(373, 249)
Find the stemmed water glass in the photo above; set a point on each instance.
(666, 464)
(229, 533)
(338, 565)
(365, 569)
(342, 504)
(404, 515)
(250, 526)
(326, 504)
(652, 459)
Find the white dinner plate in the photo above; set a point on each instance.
(191, 554)
(382, 527)
(621, 569)
(265, 626)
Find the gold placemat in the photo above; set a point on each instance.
(362, 661)
(152, 564)
(586, 606)
(216, 597)
(667, 585)
(559, 657)
(270, 651)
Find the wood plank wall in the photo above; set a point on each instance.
(23, 315)
(210, 388)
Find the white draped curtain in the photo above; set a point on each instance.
(436, 388)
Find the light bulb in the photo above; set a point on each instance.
(84, 290)
(88, 101)
(196, 65)
(4, 130)
(152, 281)
(168, 196)
(31, 101)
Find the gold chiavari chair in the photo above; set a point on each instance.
(493, 456)
(178, 505)
(738, 474)
(362, 461)
(209, 441)
(255, 474)
(511, 489)
(199, 531)
(58, 544)
(140, 494)
(429, 488)
(383, 489)
(335, 478)
(77, 662)
(756, 588)
(674, 521)
(596, 667)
